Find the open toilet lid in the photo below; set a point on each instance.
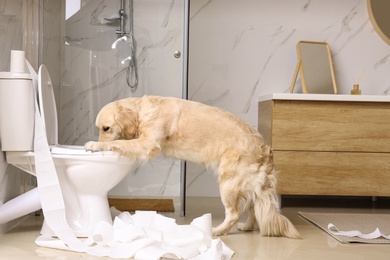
(47, 105)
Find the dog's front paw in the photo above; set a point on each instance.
(95, 146)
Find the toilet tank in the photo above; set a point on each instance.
(16, 111)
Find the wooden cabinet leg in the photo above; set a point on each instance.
(279, 206)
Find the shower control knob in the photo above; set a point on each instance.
(177, 54)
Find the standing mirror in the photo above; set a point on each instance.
(315, 66)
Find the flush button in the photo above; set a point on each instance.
(177, 54)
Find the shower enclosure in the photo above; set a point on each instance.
(96, 63)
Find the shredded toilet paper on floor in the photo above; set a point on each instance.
(356, 233)
(148, 235)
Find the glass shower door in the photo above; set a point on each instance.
(95, 74)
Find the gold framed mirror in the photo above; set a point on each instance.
(315, 67)
(378, 11)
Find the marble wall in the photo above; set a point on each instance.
(35, 27)
(15, 17)
(240, 50)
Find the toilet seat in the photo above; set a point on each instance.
(77, 150)
(59, 151)
(47, 106)
(48, 111)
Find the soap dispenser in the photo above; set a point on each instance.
(356, 90)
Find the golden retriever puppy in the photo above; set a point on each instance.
(144, 127)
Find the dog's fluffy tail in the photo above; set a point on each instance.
(269, 219)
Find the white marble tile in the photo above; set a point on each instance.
(240, 50)
(11, 33)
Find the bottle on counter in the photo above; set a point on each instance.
(356, 90)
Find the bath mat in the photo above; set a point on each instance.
(160, 205)
(365, 223)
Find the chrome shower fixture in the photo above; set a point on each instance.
(123, 38)
(122, 15)
(127, 59)
(132, 70)
(121, 19)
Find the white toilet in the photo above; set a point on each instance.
(85, 178)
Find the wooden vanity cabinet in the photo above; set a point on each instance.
(328, 144)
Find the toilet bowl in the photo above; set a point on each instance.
(85, 178)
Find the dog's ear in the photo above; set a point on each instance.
(127, 119)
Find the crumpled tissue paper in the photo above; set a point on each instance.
(148, 235)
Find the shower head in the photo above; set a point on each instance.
(123, 38)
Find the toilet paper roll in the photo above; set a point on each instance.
(104, 233)
(18, 61)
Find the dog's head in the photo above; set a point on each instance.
(116, 122)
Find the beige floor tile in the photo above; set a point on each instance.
(18, 243)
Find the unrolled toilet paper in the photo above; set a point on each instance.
(144, 235)
(148, 235)
(17, 62)
(356, 233)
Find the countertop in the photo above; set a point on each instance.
(325, 97)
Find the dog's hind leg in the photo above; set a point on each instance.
(231, 201)
(250, 223)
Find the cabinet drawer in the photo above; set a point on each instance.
(326, 126)
(333, 173)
